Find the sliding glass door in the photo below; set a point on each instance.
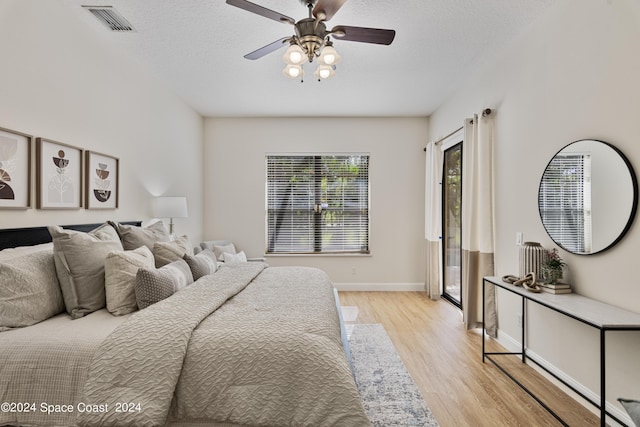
(452, 224)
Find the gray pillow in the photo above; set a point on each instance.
(167, 252)
(202, 264)
(633, 409)
(79, 259)
(133, 237)
(29, 290)
(120, 269)
(154, 285)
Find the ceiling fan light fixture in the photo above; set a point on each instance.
(294, 55)
(324, 72)
(329, 56)
(293, 71)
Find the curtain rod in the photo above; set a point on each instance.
(485, 113)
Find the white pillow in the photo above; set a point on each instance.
(120, 269)
(230, 258)
(220, 250)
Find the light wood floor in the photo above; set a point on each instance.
(445, 361)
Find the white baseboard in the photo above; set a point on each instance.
(514, 345)
(380, 287)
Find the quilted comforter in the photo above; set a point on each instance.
(248, 345)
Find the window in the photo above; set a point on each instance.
(565, 201)
(452, 224)
(317, 204)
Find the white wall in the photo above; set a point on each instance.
(573, 75)
(62, 81)
(234, 201)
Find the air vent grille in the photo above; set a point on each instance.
(111, 18)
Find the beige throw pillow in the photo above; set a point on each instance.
(202, 264)
(133, 237)
(120, 269)
(79, 259)
(168, 252)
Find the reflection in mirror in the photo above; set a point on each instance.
(588, 197)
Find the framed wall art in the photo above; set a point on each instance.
(15, 169)
(58, 175)
(102, 181)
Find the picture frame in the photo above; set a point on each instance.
(15, 169)
(102, 181)
(58, 175)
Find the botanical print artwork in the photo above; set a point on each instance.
(101, 184)
(8, 150)
(60, 186)
(101, 181)
(58, 175)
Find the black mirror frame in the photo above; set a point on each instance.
(634, 207)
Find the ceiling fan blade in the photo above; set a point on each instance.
(272, 47)
(328, 8)
(262, 11)
(364, 35)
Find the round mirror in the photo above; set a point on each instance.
(588, 197)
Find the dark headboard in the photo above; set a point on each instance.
(14, 237)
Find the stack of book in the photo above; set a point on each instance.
(558, 288)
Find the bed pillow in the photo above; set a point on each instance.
(202, 264)
(230, 258)
(167, 252)
(11, 253)
(29, 290)
(132, 237)
(154, 285)
(219, 248)
(79, 259)
(120, 270)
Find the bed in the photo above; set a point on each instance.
(248, 345)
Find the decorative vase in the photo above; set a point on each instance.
(551, 275)
(532, 256)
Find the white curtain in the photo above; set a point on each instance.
(478, 223)
(433, 223)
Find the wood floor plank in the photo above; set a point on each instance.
(445, 361)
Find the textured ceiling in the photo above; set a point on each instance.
(196, 47)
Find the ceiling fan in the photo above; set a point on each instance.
(312, 39)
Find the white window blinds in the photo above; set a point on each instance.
(317, 204)
(565, 201)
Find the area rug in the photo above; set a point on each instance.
(388, 392)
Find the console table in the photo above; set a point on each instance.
(596, 314)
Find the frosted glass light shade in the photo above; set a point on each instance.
(329, 56)
(324, 72)
(293, 71)
(294, 55)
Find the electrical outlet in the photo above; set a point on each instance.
(353, 271)
(519, 238)
(519, 321)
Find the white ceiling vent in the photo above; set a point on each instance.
(111, 18)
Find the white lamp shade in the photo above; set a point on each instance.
(171, 207)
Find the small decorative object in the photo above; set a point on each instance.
(532, 255)
(553, 267)
(58, 175)
(15, 170)
(101, 181)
